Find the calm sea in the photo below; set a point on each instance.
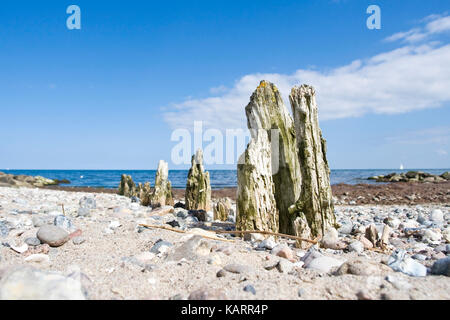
(219, 178)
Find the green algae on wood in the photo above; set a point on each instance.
(198, 187)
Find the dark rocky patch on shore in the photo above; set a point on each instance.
(10, 180)
(412, 176)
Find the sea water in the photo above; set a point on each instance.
(219, 178)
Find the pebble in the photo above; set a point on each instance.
(268, 243)
(32, 241)
(4, 230)
(84, 212)
(87, 202)
(400, 262)
(301, 292)
(363, 295)
(237, 268)
(419, 257)
(215, 260)
(254, 237)
(323, 264)
(250, 288)
(37, 258)
(207, 294)
(330, 239)
(441, 267)
(283, 251)
(285, 266)
(27, 283)
(78, 240)
(52, 235)
(114, 225)
(362, 267)
(161, 246)
(356, 246)
(365, 242)
(221, 273)
(437, 215)
(64, 223)
(20, 249)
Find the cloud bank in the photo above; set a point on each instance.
(412, 77)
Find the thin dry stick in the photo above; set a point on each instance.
(270, 233)
(62, 205)
(182, 231)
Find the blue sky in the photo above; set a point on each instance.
(109, 96)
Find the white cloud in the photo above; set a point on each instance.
(439, 136)
(412, 77)
(436, 24)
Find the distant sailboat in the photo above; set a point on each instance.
(81, 177)
(401, 167)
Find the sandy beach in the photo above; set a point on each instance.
(112, 257)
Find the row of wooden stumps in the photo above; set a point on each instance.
(198, 187)
(283, 175)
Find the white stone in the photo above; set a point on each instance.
(437, 215)
(38, 258)
(114, 224)
(20, 249)
(324, 264)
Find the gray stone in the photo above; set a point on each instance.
(207, 294)
(437, 215)
(4, 230)
(237, 268)
(183, 213)
(346, 227)
(221, 273)
(268, 243)
(323, 264)
(356, 246)
(161, 246)
(32, 241)
(441, 267)
(400, 262)
(87, 202)
(419, 257)
(84, 212)
(285, 266)
(52, 235)
(187, 250)
(40, 221)
(64, 223)
(250, 288)
(362, 267)
(78, 240)
(27, 283)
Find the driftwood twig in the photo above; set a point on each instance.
(270, 233)
(182, 231)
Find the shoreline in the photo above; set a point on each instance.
(348, 194)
